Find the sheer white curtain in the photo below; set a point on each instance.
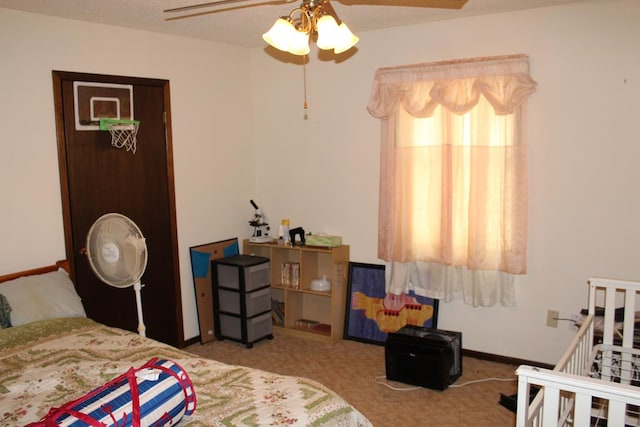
(453, 177)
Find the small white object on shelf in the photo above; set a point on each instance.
(321, 284)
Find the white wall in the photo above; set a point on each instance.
(322, 172)
(234, 141)
(211, 132)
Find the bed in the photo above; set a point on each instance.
(52, 354)
(595, 382)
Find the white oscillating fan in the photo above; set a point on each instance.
(117, 252)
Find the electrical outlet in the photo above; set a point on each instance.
(552, 318)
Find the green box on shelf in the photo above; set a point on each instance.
(323, 240)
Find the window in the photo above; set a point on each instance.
(453, 184)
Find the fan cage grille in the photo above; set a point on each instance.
(117, 250)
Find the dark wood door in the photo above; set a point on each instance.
(98, 178)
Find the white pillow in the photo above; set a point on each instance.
(42, 296)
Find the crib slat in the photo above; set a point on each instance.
(582, 410)
(551, 405)
(523, 401)
(609, 315)
(626, 362)
(616, 414)
(609, 326)
(629, 318)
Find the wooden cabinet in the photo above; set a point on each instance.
(297, 309)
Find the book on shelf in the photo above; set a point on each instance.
(322, 327)
(277, 312)
(290, 274)
(306, 323)
(295, 275)
(285, 273)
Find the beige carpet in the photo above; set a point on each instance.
(350, 368)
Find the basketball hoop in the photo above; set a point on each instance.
(123, 132)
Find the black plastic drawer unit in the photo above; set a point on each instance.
(242, 298)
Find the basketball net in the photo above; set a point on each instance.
(123, 133)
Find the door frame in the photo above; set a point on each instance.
(60, 76)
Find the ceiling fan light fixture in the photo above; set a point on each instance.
(280, 34)
(291, 34)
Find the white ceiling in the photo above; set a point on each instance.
(242, 23)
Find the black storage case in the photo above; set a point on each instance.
(242, 298)
(424, 357)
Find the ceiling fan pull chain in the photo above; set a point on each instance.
(304, 79)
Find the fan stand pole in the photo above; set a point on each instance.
(141, 328)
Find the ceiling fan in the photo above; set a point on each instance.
(312, 18)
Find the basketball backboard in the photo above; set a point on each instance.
(94, 101)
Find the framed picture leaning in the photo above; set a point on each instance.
(371, 313)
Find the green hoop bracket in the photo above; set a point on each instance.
(108, 124)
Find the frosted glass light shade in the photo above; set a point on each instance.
(327, 32)
(299, 43)
(280, 34)
(345, 39)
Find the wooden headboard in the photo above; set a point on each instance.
(39, 270)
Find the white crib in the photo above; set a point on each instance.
(591, 383)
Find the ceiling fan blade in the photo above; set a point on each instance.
(216, 3)
(201, 5)
(435, 4)
(218, 10)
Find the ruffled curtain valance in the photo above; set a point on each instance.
(456, 85)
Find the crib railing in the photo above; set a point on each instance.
(575, 361)
(567, 395)
(581, 392)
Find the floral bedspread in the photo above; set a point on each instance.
(45, 364)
